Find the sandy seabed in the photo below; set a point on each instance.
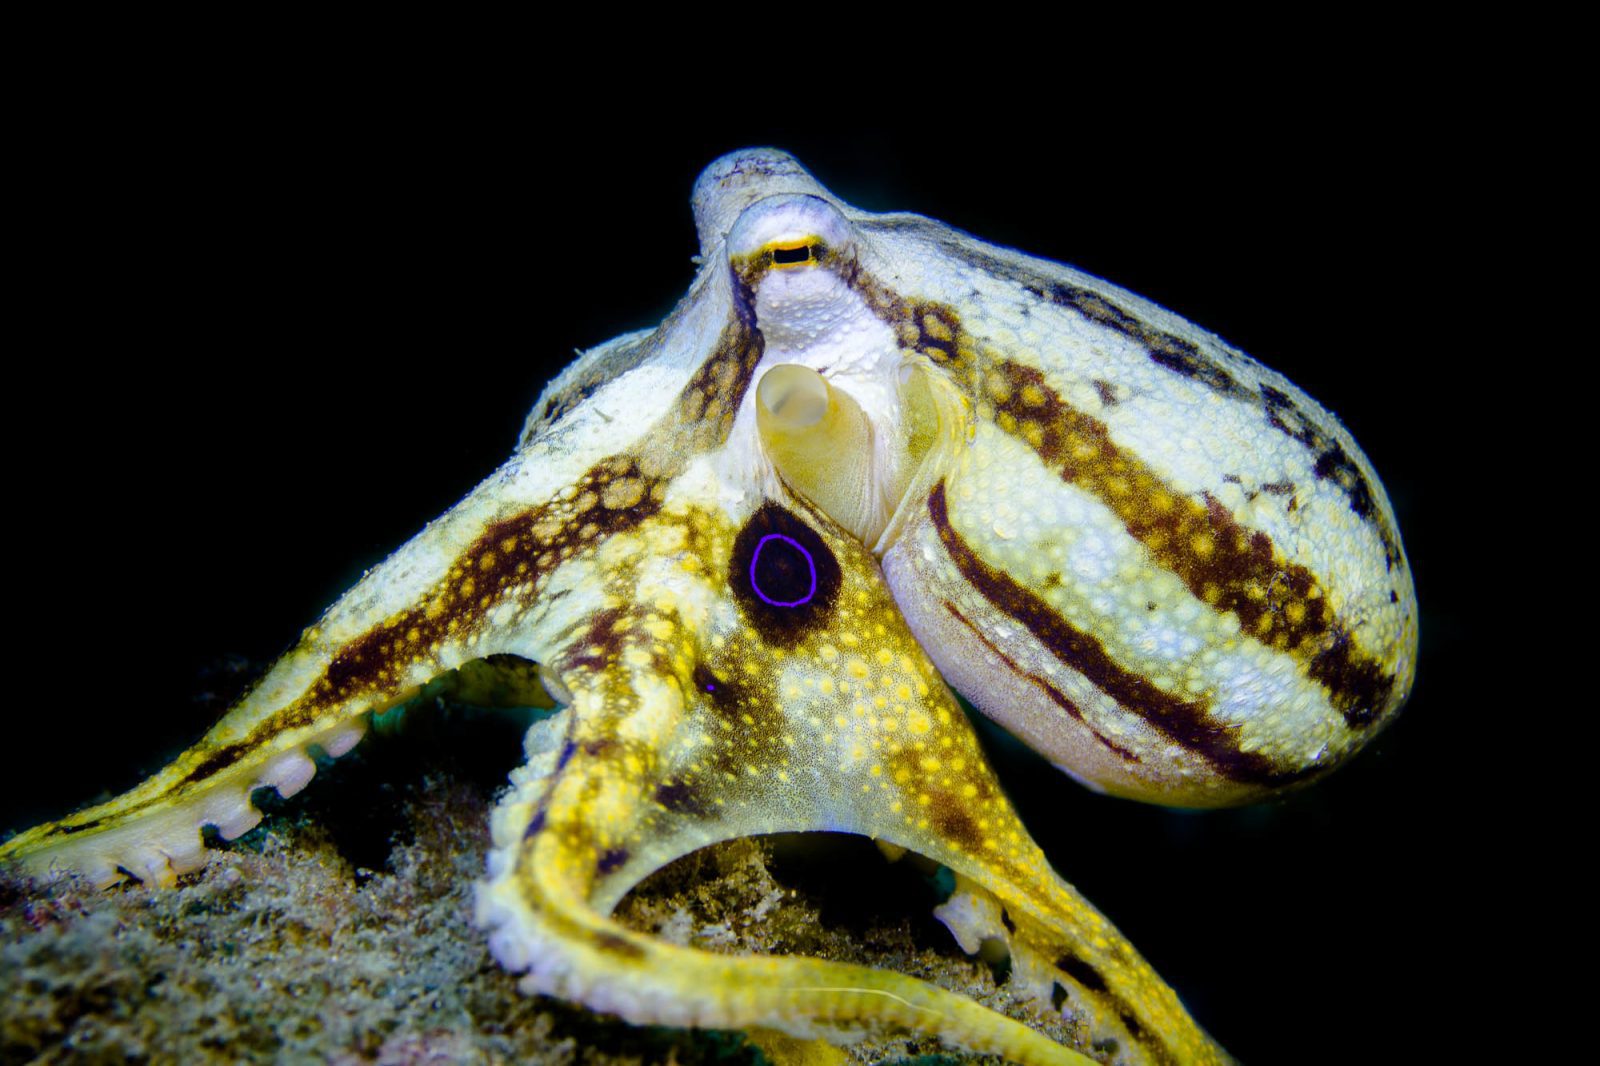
(309, 941)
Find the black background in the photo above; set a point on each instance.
(282, 325)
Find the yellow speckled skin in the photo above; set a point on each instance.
(1156, 561)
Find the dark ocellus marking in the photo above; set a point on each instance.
(1049, 690)
(611, 859)
(1187, 723)
(783, 626)
(782, 572)
(1230, 568)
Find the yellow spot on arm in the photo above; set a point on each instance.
(622, 493)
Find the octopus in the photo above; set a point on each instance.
(748, 557)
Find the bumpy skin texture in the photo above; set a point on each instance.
(1153, 559)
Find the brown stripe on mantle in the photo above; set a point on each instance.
(1185, 359)
(1229, 567)
(1187, 723)
(1055, 695)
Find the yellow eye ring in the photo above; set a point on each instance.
(791, 254)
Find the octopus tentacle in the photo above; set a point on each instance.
(772, 686)
(458, 593)
(555, 881)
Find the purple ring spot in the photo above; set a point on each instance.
(810, 564)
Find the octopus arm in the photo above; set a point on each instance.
(697, 715)
(441, 612)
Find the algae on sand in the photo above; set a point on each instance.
(319, 938)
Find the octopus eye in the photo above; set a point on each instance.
(784, 576)
(787, 255)
(788, 231)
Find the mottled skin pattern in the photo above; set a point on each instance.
(1154, 560)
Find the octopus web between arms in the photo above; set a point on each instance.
(867, 455)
